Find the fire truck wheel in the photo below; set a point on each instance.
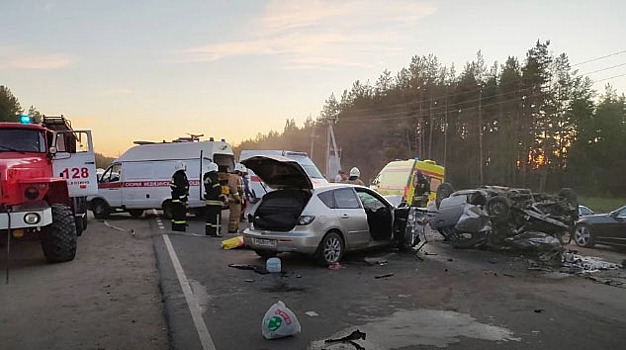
(100, 209)
(59, 238)
(79, 226)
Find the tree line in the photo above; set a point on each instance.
(534, 123)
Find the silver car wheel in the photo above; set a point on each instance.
(582, 235)
(333, 248)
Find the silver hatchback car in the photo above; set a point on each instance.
(323, 221)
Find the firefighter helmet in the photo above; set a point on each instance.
(355, 172)
(180, 166)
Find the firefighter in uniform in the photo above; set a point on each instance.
(421, 191)
(354, 177)
(214, 200)
(180, 192)
(235, 190)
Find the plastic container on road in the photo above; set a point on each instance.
(273, 265)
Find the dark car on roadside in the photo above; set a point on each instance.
(608, 228)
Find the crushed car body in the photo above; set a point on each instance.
(503, 217)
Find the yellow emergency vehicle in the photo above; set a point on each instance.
(399, 177)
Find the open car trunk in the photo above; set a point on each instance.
(280, 210)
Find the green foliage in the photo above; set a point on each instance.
(34, 113)
(537, 119)
(103, 161)
(10, 107)
(602, 204)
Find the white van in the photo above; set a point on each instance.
(140, 178)
(259, 189)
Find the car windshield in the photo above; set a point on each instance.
(312, 171)
(22, 140)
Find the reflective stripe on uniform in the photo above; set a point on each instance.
(213, 202)
(217, 185)
(175, 200)
(179, 222)
(212, 225)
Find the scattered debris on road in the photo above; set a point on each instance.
(279, 322)
(256, 268)
(350, 339)
(391, 274)
(578, 263)
(232, 243)
(380, 260)
(335, 266)
(311, 313)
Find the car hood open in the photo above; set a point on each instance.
(279, 172)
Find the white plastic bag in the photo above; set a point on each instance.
(279, 322)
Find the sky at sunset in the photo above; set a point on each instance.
(152, 70)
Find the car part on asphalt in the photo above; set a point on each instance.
(256, 268)
(350, 339)
(587, 264)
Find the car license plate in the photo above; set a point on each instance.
(262, 242)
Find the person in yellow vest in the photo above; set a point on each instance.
(235, 197)
(354, 177)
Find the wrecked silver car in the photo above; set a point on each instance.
(323, 221)
(507, 217)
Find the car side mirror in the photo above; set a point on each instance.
(52, 150)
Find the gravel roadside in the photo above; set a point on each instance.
(107, 298)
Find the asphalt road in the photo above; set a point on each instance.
(135, 285)
(465, 299)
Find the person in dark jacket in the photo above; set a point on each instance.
(214, 200)
(179, 184)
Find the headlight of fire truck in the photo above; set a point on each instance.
(32, 218)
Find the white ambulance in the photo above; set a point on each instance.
(140, 178)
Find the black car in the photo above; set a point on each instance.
(609, 228)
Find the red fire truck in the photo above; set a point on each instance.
(46, 172)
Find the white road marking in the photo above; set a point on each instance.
(158, 220)
(192, 302)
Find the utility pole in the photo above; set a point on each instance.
(330, 141)
(327, 148)
(312, 141)
(430, 136)
(445, 136)
(480, 135)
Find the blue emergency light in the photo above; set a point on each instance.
(25, 119)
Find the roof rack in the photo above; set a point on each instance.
(56, 123)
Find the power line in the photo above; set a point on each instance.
(397, 116)
(599, 58)
(609, 78)
(603, 69)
